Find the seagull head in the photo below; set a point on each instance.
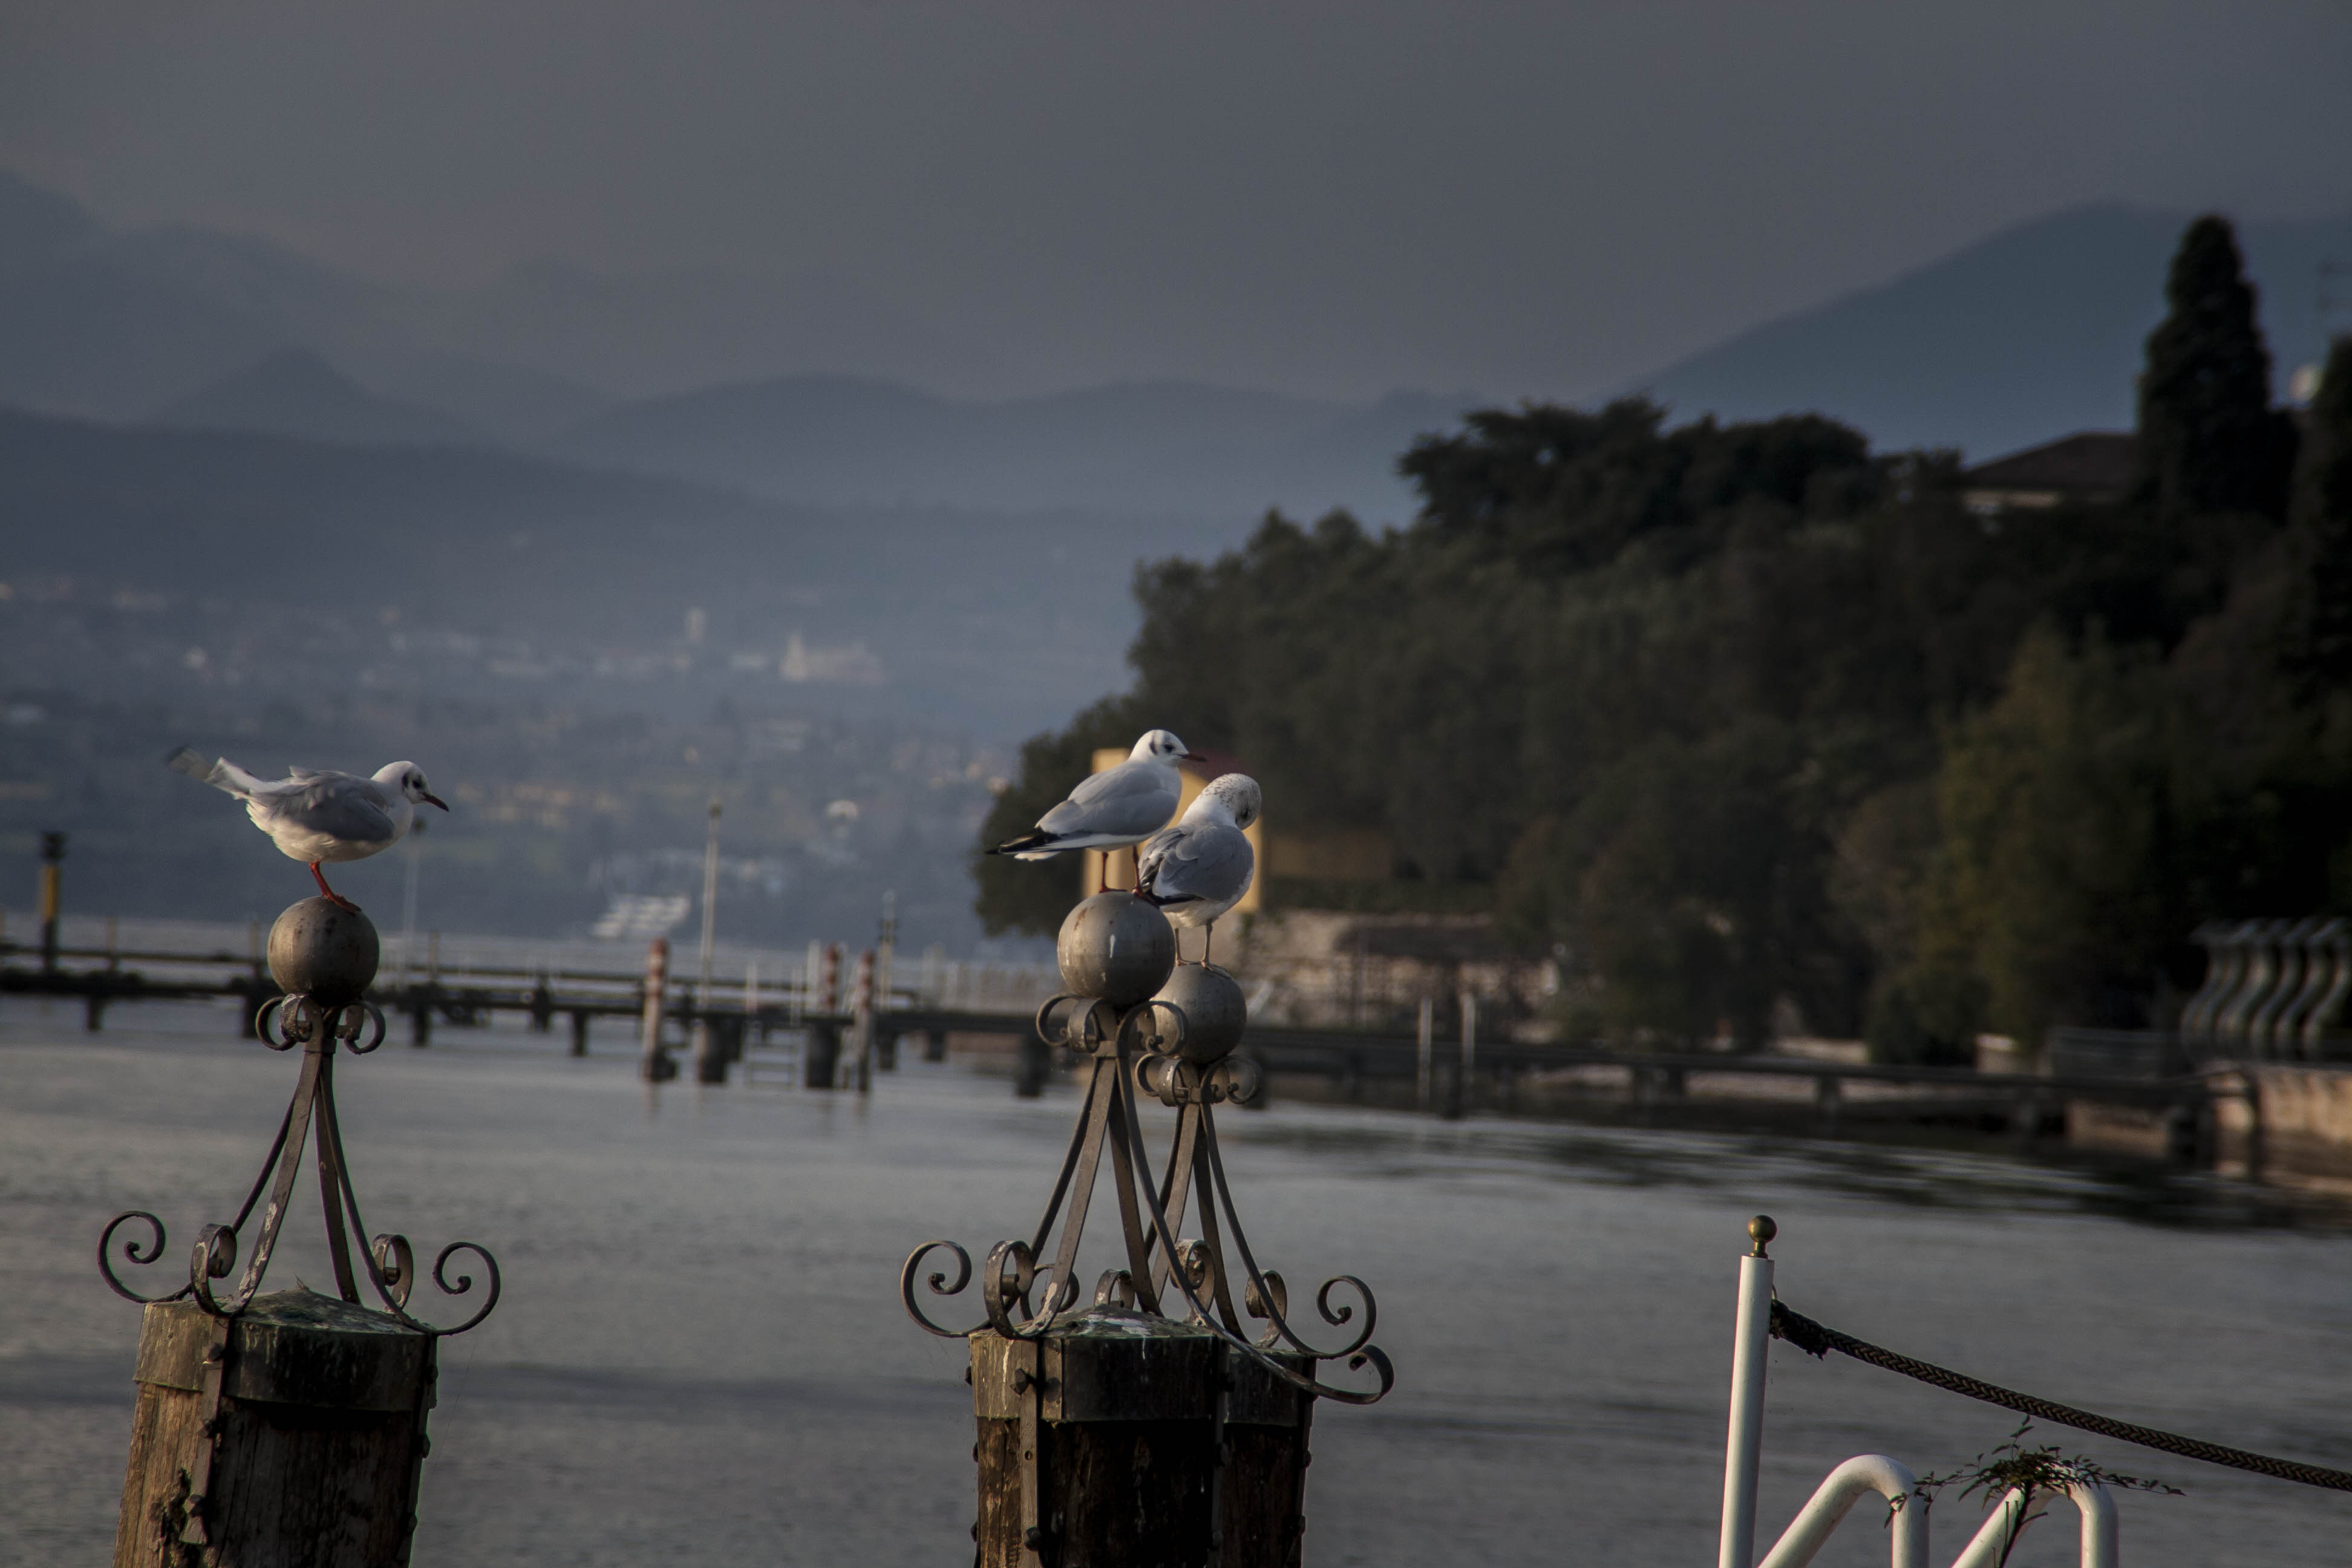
(1235, 795)
(409, 780)
(1163, 746)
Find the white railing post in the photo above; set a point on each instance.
(1742, 1446)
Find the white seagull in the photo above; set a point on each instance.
(1112, 809)
(314, 817)
(1201, 867)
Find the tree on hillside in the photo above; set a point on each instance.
(2209, 440)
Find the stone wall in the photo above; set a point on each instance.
(1313, 969)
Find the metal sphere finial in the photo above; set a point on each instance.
(1761, 1230)
(324, 952)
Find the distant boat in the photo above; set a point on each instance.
(641, 917)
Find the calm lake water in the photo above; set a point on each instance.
(700, 1358)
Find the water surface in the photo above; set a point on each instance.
(700, 1358)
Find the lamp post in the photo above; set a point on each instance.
(1163, 1420)
(288, 1427)
(709, 1055)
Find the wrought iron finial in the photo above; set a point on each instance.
(324, 957)
(1152, 1046)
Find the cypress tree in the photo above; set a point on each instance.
(2321, 516)
(2208, 439)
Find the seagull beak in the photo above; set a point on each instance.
(1192, 757)
(437, 800)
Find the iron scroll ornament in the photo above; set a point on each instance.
(388, 1261)
(1134, 1054)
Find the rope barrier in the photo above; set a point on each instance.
(1818, 1340)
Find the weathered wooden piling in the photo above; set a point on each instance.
(1123, 1437)
(580, 1016)
(53, 873)
(820, 1055)
(653, 1064)
(286, 1430)
(290, 1437)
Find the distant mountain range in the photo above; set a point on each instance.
(2029, 334)
(551, 581)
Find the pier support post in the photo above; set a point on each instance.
(1119, 1437)
(821, 1057)
(711, 1053)
(293, 1434)
(935, 1045)
(580, 1031)
(654, 1063)
(1029, 1073)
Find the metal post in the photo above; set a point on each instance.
(1426, 1038)
(1744, 1443)
(702, 1046)
(863, 1008)
(1469, 1044)
(408, 901)
(885, 1039)
(53, 855)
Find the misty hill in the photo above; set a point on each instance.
(1170, 447)
(533, 577)
(2030, 334)
(295, 393)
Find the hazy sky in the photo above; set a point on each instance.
(1516, 198)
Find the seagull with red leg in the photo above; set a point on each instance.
(315, 816)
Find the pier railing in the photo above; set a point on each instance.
(2012, 1488)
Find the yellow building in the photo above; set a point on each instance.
(1345, 855)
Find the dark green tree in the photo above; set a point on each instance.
(2209, 440)
(2322, 520)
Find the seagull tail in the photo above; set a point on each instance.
(223, 774)
(1028, 845)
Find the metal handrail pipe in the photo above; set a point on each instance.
(2099, 1544)
(1835, 1497)
(1743, 1443)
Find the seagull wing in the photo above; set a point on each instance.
(1130, 798)
(1207, 864)
(341, 805)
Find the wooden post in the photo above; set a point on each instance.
(935, 1045)
(542, 1006)
(580, 1031)
(862, 1011)
(1035, 1062)
(53, 874)
(290, 1436)
(1120, 1437)
(653, 1064)
(1424, 1041)
(821, 1057)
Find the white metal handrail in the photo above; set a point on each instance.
(1864, 1474)
(1846, 1485)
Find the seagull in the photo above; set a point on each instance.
(1110, 810)
(1201, 867)
(314, 817)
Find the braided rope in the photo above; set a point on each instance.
(1817, 1340)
